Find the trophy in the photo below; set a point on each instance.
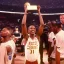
(30, 7)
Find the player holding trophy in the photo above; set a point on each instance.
(33, 39)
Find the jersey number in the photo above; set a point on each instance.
(31, 51)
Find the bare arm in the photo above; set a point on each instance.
(40, 29)
(57, 57)
(57, 51)
(50, 49)
(23, 24)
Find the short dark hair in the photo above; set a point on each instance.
(56, 23)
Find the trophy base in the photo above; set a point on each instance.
(32, 7)
(31, 11)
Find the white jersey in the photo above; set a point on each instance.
(32, 49)
(50, 39)
(60, 43)
(3, 55)
(12, 45)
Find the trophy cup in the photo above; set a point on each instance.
(31, 8)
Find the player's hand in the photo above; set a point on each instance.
(38, 8)
(25, 8)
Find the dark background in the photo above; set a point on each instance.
(47, 6)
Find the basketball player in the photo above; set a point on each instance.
(32, 40)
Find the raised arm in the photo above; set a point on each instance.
(40, 29)
(23, 24)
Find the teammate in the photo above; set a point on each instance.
(8, 42)
(57, 29)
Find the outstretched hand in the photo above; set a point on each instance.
(38, 8)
